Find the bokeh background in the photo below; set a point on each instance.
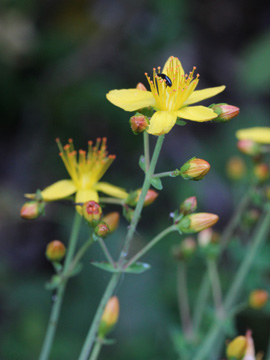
(58, 59)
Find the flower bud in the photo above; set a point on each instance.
(194, 169)
(250, 217)
(109, 317)
(102, 229)
(197, 222)
(185, 250)
(189, 205)
(150, 197)
(140, 86)
(237, 348)
(261, 172)
(31, 210)
(249, 147)
(112, 220)
(258, 298)
(225, 112)
(92, 212)
(250, 350)
(139, 123)
(236, 168)
(55, 250)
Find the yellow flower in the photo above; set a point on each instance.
(258, 134)
(169, 100)
(85, 171)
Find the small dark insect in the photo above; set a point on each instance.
(168, 81)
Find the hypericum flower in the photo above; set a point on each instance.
(258, 134)
(197, 222)
(236, 348)
(85, 171)
(55, 250)
(169, 102)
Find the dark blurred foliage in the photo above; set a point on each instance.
(58, 59)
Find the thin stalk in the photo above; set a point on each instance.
(204, 292)
(165, 174)
(216, 330)
(107, 200)
(216, 287)
(183, 302)
(152, 243)
(96, 350)
(106, 252)
(146, 150)
(78, 257)
(90, 339)
(55, 311)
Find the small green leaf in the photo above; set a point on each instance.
(142, 163)
(108, 341)
(156, 183)
(76, 270)
(53, 283)
(137, 268)
(105, 266)
(180, 122)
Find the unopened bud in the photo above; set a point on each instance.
(261, 172)
(250, 350)
(236, 168)
(112, 220)
(185, 250)
(189, 205)
(55, 250)
(206, 237)
(225, 112)
(194, 169)
(109, 317)
(150, 197)
(140, 86)
(102, 229)
(258, 298)
(237, 348)
(249, 147)
(92, 212)
(250, 217)
(31, 210)
(139, 123)
(197, 222)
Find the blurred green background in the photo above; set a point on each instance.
(58, 59)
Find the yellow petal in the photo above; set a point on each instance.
(162, 122)
(174, 64)
(196, 113)
(111, 190)
(59, 190)
(258, 134)
(131, 99)
(200, 95)
(83, 196)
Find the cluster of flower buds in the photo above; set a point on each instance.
(241, 348)
(194, 223)
(109, 317)
(194, 169)
(32, 210)
(258, 298)
(236, 168)
(133, 197)
(185, 250)
(224, 111)
(55, 251)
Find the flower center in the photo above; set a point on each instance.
(86, 168)
(172, 98)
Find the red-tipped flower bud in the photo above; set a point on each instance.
(236, 168)
(249, 147)
(109, 317)
(225, 112)
(194, 169)
(140, 86)
(197, 222)
(55, 251)
(112, 220)
(139, 123)
(261, 172)
(150, 197)
(237, 348)
(189, 205)
(92, 212)
(102, 229)
(185, 250)
(258, 298)
(31, 210)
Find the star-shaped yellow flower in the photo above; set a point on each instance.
(171, 101)
(85, 170)
(259, 135)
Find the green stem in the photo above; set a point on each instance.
(96, 350)
(107, 200)
(55, 312)
(106, 252)
(216, 330)
(146, 150)
(90, 339)
(201, 302)
(182, 293)
(165, 174)
(152, 243)
(78, 257)
(216, 287)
